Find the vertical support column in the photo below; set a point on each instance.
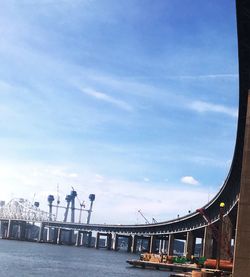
(71, 236)
(59, 236)
(148, 243)
(134, 247)
(227, 231)
(78, 238)
(41, 231)
(171, 245)
(2, 229)
(152, 244)
(202, 244)
(116, 242)
(214, 248)
(55, 235)
(164, 245)
(109, 241)
(160, 246)
(189, 245)
(49, 234)
(22, 230)
(207, 247)
(82, 238)
(89, 239)
(97, 240)
(130, 242)
(10, 229)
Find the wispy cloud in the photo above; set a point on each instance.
(107, 98)
(203, 107)
(189, 180)
(204, 77)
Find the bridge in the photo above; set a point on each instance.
(223, 220)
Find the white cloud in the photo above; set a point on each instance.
(189, 180)
(202, 107)
(205, 77)
(107, 98)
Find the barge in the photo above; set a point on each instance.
(181, 267)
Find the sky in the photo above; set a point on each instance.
(135, 101)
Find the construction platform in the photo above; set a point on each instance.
(183, 269)
(166, 266)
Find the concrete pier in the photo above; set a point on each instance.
(207, 243)
(10, 229)
(227, 234)
(242, 246)
(152, 244)
(170, 251)
(189, 245)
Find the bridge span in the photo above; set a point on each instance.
(235, 194)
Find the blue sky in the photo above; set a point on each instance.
(135, 101)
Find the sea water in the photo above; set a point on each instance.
(24, 259)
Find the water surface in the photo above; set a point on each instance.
(24, 259)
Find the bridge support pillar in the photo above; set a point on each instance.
(28, 232)
(163, 247)
(189, 245)
(10, 229)
(89, 240)
(59, 236)
(109, 241)
(227, 231)
(49, 234)
(41, 231)
(71, 237)
(207, 247)
(170, 245)
(148, 243)
(22, 230)
(134, 245)
(160, 246)
(116, 242)
(152, 244)
(97, 240)
(55, 235)
(4, 229)
(78, 238)
(130, 242)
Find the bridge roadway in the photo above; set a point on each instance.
(192, 225)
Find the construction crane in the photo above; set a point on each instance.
(146, 220)
(57, 201)
(82, 206)
(154, 220)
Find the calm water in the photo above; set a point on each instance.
(35, 259)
